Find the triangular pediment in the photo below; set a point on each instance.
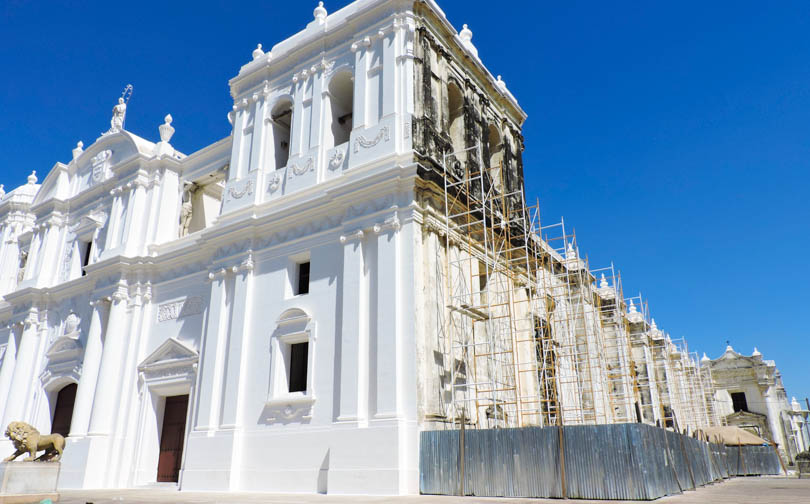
(745, 415)
(169, 354)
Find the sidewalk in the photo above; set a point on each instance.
(764, 490)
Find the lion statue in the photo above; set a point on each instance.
(27, 439)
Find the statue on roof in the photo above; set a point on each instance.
(119, 112)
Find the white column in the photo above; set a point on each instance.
(316, 123)
(20, 391)
(7, 368)
(83, 406)
(212, 356)
(297, 125)
(258, 148)
(50, 252)
(360, 79)
(109, 377)
(112, 222)
(350, 329)
(387, 314)
(238, 347)
(134, 241)
(389, 74)
(239, 112)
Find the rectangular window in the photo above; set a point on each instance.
(298, 367)
(86, 249)
(302, 282)
(739, 402)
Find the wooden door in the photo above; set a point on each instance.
(172, 438)
(63, 411)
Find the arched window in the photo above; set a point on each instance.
(455, 120)
(63, 410)
(281, 117)
(341, 99)
(495, 156)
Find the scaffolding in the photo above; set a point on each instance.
(528, 333)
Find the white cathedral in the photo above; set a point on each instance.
(243, 317)
(268, 314)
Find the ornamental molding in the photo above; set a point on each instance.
(392, 223)
(180, 309)
(100, 164)
(246, 265)
(337, 158)
(384, 133)
(247, 189)
(296, 169)
(275, 183)
(323, 65)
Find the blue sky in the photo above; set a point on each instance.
(673, 136)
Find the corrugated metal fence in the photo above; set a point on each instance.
(623, 461)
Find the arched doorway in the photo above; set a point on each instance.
(63, 410)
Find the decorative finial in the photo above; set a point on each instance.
(705, 358)
(653, 325)
(320, 13)
(32, 179)
(2, 191)
(501, 84)
(78, 150)
(603, 283)
(258, 53)
(756, 353)
(466, 34)
(728, 346)
(632, 308)
(166, 129)
(570, 253)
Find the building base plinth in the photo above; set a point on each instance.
(28, 481)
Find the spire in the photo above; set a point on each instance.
(632, 308)
(603, 283)
(653, 325)
(705, 358)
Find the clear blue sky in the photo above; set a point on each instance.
(674, 136)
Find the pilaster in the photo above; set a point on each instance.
(21, 393)
(83, 406)
(7, 367)
(351, 338)
(108, 385)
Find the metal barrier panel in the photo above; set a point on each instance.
(616, 462)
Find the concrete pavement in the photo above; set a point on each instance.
(763, 490)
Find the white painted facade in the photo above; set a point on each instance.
(749, 393)
(137, 273)
(209, 307)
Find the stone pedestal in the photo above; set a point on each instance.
(28, 481)
(803, 467)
